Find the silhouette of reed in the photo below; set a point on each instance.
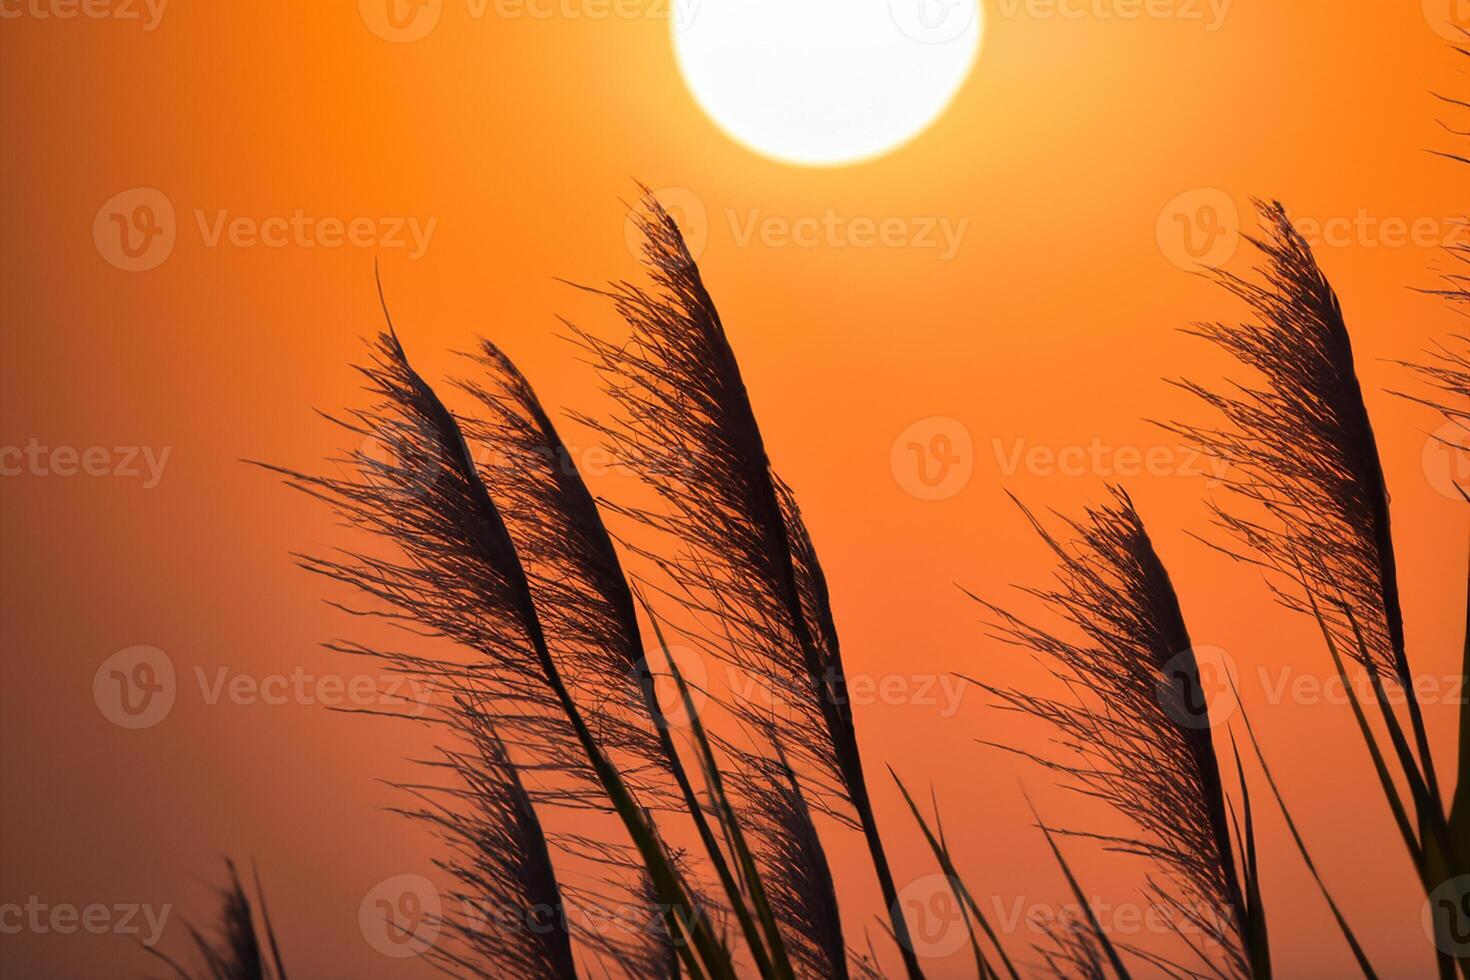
(502, 869)
(746, 565)
(1314, 511)
(238, 950)
(1302, 452)
(508, 556)
(1301, 446)
(461, 577)
(1138, 736)
(585, 597)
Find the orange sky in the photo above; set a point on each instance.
(508, 141)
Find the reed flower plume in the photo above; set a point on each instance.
(453, 570)
(748, 568)
(796, 875)
(1301, 448)
(1455, 283)
(588, 604)
(511, 919)
(1137, 735)
(1071, 952)
(686, 426)
(1445, 371)
(458, 573)
(581, 592)
(1300, 445)
(238, 950)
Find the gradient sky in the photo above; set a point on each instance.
(1034, 337)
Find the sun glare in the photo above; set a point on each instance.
(825, 82)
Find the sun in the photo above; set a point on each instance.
(825, 82)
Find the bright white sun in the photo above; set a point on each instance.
(825, 82)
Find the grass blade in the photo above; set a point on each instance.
(957, 883)
(1460, 808)
(774, 953)
(1119, 970)
(1357, 949)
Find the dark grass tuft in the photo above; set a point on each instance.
(1137, 735)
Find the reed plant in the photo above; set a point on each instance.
(555, 704)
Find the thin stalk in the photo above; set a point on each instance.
(1460, 807)
(780, 963)
(706, 834)
(1426, 802)
(1342, 924)
(662, 872)
(1097, 931)
(969, 905)
(1254, 932)
(1385, 780)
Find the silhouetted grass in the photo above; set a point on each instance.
(462, 577)
(237, 951)
(509, 557)
(1302, 453)
(747, 563)
(1139, 731)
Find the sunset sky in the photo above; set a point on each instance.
(993, 306)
